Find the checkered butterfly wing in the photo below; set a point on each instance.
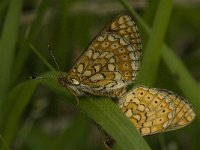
(111, 61)
(153, 110)
(184, 114)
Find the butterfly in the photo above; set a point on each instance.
(154, 110)
(110, 63)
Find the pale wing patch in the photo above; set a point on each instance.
(125, 26)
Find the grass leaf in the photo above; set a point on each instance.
(151, 58)
(19, 97)
(105, 113)
(8, 42)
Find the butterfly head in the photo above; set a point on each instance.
(66, 81)
(62, 80)
(71, 84)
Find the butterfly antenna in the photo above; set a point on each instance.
(53, 56)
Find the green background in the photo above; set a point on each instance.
(40, 114)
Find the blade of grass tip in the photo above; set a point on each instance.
(151, 58)
(184, 79)
(4, 142)
(55, 86)
(42, 58)
(8, 43)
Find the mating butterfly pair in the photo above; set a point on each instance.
(110, 63)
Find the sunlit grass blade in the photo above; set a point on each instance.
(151, 57)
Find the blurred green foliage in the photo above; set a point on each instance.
(40, 114)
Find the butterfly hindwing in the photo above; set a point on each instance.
(153, 110)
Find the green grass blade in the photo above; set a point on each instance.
(114, 122)
(4, 142)
(104, 112)
(8, 43)
(151, 58)
(19, 97)
(184, 80)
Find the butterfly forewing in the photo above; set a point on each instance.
(123, 25)
(111, 62)
(153, 110)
